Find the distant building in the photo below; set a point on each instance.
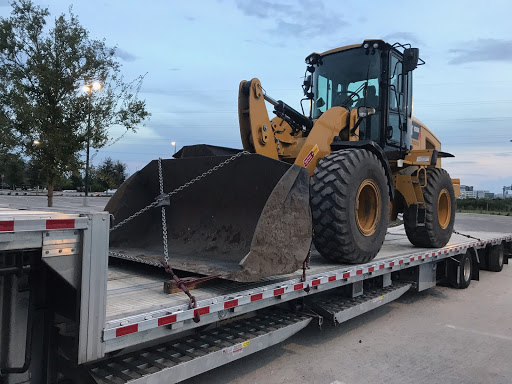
(466, 192)
(489, 195)
(481, 194)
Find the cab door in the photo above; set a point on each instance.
(396, 127)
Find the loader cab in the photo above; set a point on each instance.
(373, 74)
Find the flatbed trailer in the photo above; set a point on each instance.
(69, 313)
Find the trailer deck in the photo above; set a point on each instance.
(135, 289)
(138, 309)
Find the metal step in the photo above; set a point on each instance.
(190, 356)
(339, 309)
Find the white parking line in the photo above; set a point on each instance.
(476, 332)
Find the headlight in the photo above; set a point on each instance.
(365, 111)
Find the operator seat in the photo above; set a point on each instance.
(371, 99)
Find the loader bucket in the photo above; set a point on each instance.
(247, 220)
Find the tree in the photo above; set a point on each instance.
(111, 174)
(42, 105)
(13, 167)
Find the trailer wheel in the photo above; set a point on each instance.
(460, 278)
(350, 206)
(495, 258)
(439, 198)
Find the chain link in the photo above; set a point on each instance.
(140, 260)
(468, 236)
(179, 189)
(164, 221)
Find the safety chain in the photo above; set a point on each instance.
(134, 258)
(468, 236)
(161, 199)
(164, 221)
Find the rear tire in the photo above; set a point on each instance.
(495, 258)
(439, 198)
(350, 206)
(460, 278)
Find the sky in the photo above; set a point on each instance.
(195, 53)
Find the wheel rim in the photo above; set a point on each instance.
(368, 207)
(444, 209)
(467, 269)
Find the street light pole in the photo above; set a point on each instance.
(88, 88)
(88, 134)
(174, 144)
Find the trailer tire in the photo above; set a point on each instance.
(460, 278)
(495, 258)
(440, 207)
(350, 206)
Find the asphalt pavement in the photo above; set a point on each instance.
(69, 203)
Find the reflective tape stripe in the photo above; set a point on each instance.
(60, 224)
(256, 297)
(278, 292)
(7, 226)
(230, 303)
(127, 330)
(166, 320)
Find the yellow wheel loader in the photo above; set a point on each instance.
(333, 176)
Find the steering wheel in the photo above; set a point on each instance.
(339, 101)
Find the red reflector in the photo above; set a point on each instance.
(412, 259)
(400, 261)
(127, 330)
(278, 292)
(332, 278)
(60, 224)
(257, 297)
(230, 303)
(202, 311)
(419, 257)
(315, 282)
(7, 226)
(346, 275)
(296, 287)
(371, 269)
(392, 264)
(382, 266)
(433, 254)
(166, 320)
(359, 272)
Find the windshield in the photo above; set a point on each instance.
(348, 78)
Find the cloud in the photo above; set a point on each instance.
(403, 37)
(482, 50)
(124, 55)
(261, 9)
(299, 19)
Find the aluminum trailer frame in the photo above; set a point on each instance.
(109, 323)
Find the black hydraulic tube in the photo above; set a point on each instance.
(296, 116)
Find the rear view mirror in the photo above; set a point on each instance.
(411, 57)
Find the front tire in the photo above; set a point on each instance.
(439, 198)
(350, 206)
